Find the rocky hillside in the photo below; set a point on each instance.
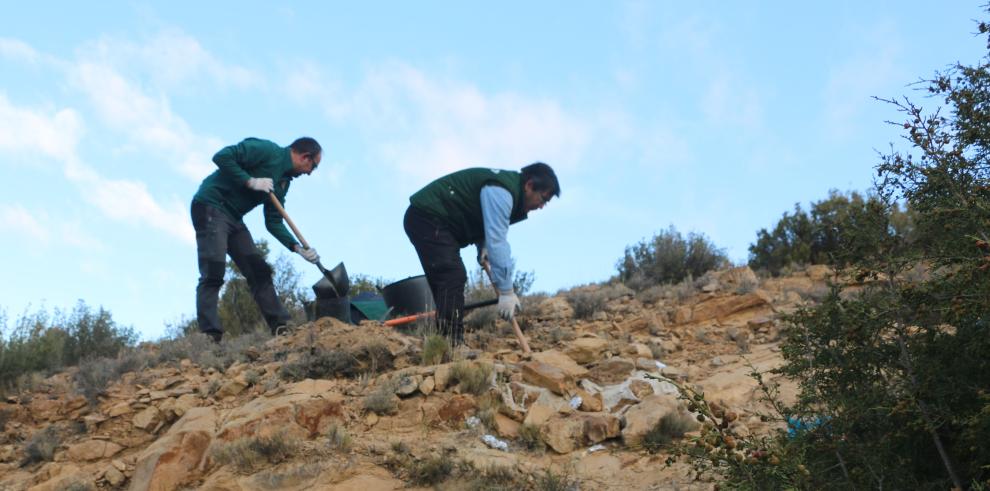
(335, 406)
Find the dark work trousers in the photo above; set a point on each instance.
(218, 235)
(440, 255)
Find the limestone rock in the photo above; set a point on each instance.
(147, 419)
(176, 458)
(587, 349)
(721, 307)
(427, 386)
(457, 408)
(611, 371)
(408, 385)
(546, 376)
(563, 362)
(642, 417)
(93, 450)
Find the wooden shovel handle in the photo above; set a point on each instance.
(281, 210)
(515, 325)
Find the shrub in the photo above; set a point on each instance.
(551, 481)
(530, 439)
(43, 342)
(318, 363)
(586, 302)
(672, 426)
(93, 377)
(41, 446)
(383, 400)
(435, 347)
(429, 471)
(669, 258)
(472, 378)
(338, 439)
(247, 453)
(826, 236)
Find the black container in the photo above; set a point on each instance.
(338, 308)
(409, 296)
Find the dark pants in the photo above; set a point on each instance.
(218, 235)
(440, 255)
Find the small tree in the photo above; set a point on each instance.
(669, 258)
(895, 378)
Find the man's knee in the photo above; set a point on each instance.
(212, 273)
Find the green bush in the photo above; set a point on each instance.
(44, 343)
(669, 258)
(840, 230)
(894, 378)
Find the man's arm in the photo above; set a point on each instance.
(234, 159)
(276, 225)
(496, 206)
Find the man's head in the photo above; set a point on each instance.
(539, 185)
(306, 155)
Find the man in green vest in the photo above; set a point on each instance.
(247, 173)
(473, 206)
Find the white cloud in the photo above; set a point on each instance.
(53, 133)
(130, 201)
(16, 49)
(16, 220)
(146, 120)
(435, 126)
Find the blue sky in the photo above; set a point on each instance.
(712, 118)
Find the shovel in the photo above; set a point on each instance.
(337, 277)
(398, 321)
(515, 325)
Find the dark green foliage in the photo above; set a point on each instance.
(362, 283)
(895, 378)
(43, 342)
(669, 258)
(840, 230)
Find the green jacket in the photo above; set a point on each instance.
(455, 199)
(226, 188)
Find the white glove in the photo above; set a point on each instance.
(263, 184)
(308, 254)
(482, 255)
(508, 305)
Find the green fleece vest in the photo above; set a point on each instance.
(455, 199)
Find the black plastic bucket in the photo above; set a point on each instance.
(409, 296)
(338, 308)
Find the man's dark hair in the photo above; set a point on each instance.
(542, 177)
(306, 146)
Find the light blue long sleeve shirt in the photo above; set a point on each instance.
(496, 207)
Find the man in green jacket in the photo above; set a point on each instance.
(473, 206)
(247, 173)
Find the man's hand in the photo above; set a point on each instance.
(508, 305)
(263, 184)
(482, 255)
(308, 254)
